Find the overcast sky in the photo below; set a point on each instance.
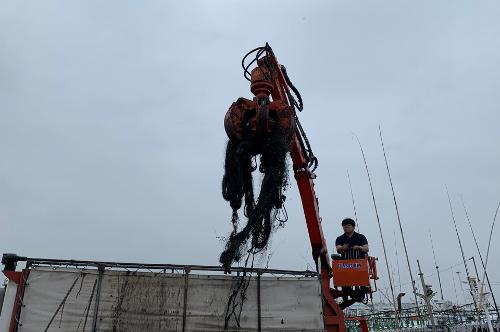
(112, 138)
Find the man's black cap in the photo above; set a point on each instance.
(348, 221)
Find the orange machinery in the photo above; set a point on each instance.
(274, 101)
(355, 272)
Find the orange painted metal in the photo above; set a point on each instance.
(373, 267)
(362, 321)
(16, 311)
(261, 80)
(248, 117)
(363, 325)
(356, 272)
(13, 276)
(256, 116)
(351, 272)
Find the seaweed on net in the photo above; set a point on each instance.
(237, 187)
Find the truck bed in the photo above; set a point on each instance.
(113, 298)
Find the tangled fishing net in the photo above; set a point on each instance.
(237, 188)
(260, 132)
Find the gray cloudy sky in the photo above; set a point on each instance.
(112, 143)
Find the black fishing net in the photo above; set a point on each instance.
(238, 297)
(259, 139)
(237, 187)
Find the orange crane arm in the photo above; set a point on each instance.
(274, 104)
(269, 73)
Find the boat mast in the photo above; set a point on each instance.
(481, 258)
(437, 267)
(352, 197)
(399, 222)
(379, 227)
(461, 250)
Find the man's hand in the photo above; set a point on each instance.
(361, 248)
(342, 248)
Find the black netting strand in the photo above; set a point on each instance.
(237, 184)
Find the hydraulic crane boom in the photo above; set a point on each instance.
(273, 111)
(269, 80)
(305, 181)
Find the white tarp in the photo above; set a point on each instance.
(64, 300)
(47, 291)
(141, 302)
